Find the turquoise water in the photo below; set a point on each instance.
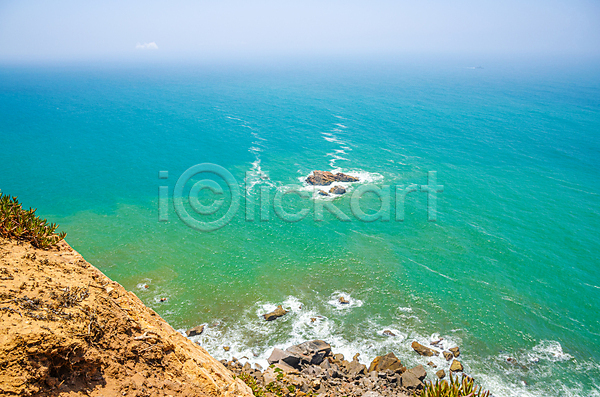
(509, 269)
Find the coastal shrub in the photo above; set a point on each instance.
(20, 224)
(464, 387)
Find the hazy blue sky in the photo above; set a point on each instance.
(40, 30)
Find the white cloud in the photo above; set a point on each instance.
(146, 46)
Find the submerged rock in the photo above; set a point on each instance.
(387, 332)
(195, 331)
(337, 190)
(423, 350)
(326, 178)
(343, 300)
(280, 311)
(323, 193)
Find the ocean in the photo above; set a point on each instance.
(508, 269)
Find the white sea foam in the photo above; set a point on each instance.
(142, 285)
(251, 339)
(334, 300)
(549, 350)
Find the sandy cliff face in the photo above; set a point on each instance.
(66, 329)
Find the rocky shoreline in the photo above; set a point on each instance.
(313, 369)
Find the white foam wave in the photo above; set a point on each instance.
(144, 284)
(335, 301)
(251, 339)
(333, 140)
(549, 350)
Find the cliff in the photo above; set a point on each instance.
(67, 329)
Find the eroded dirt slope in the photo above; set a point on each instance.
(68, 330)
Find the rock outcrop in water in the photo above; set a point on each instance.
(326, 178)
(195, 331)
(275, 314)
(423, 350)
(337, 190)
(455, 351)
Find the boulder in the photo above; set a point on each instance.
(226, 348)
(411, 382)
(455, 351)
(280, 355)
(321, 178)
(285, 367)
(343, 300)
(337, 190)
(338, 357)
(280, 311)
(448, 356)
(441, 374)
(456, 366)
(326, 178)
(269, 376)
(325, 364)
(195, 331)
(311, 352)
(382, 363)
(313, 371)
(354, 369)
(323, 193)
(419, 372)
(431, 364)
(345, 178)
(423, 350)
(387, 332)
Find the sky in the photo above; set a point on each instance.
(33, 30)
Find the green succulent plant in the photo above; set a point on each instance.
(20, 224)
(252, 384)
(456, 387)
